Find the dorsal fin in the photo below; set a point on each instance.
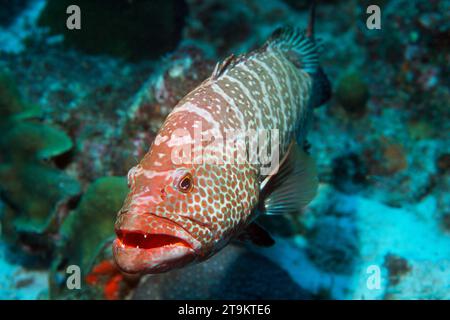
(222, 67)
(299, 49)
(302, 49)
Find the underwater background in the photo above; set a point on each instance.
(79, 108)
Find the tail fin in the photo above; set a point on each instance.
(321, 91)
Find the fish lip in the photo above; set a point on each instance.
(155, 259)
(139, 260)
(143, 223)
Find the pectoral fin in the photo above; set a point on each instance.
(292, 187)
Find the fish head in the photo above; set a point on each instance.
(151, 236)
(177, 213)
(174, 218)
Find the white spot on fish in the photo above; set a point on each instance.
(160, 139)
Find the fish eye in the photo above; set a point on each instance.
(186, 183)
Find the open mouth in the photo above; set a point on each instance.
(141, 240)
(150, 244)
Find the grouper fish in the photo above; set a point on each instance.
(184, 205)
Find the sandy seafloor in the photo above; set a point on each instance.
(365, 226)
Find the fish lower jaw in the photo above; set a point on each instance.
(151, 260)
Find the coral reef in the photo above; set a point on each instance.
(11, 11)
(76, 115)
(12, 106)
(352, 93)
(333, 245)
(397, 267)
(155, 29)
(34, 140)
(88, 230)
(35, 190)
(349, 173)
(387, 157)
(36, 193)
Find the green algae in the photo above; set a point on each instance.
(35, 191)
(12, 105)
(87, 229)
(34, 140)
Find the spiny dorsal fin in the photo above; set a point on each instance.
(222, 67)
(300, 49)
(293, 186)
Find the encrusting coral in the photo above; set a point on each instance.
(12, 106)
(86, 232)
(87, 228)
(35, 140)
(33, 189)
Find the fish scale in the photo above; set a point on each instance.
(263, 90)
